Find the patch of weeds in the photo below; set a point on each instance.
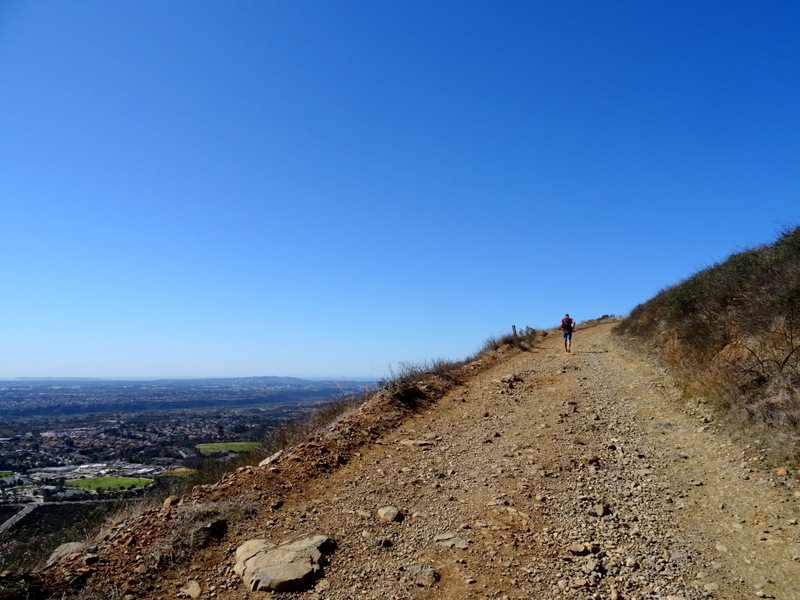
(522, 340)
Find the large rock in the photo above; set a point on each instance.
(271, 459)
(265, 567)
(65, 550)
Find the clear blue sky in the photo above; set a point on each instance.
(314, 188)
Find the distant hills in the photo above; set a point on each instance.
(55, 397)
(15, 379)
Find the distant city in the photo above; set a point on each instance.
(25, 398)
(53, 431)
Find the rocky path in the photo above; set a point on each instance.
(552, 475)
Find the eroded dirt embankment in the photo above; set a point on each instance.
(547, 475)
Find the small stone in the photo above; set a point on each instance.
(578, 549)
(424, 576)
(679, 556)
(390, 513)
(451, 540)
(169, 502)
(191, 589)
(416, 443)
(601, 510)
(591, 566)
(208, 533)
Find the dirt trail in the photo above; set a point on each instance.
(551, 475)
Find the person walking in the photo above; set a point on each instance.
(567, 325)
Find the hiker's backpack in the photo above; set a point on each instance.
(567, 324)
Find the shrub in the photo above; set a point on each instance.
(522, 340)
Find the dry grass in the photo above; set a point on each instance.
(523, 340)
(733, 330)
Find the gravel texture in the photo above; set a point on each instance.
(544, 475)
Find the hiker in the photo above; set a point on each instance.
(567, 325)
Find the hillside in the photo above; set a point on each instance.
(733, 333)
(528, 474)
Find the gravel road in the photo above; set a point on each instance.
(551, 476)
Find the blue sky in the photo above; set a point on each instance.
(194, 188)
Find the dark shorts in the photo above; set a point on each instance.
(567, 335)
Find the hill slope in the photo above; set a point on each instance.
(733, 330)
(542, 475)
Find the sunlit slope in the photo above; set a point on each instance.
(734, 331)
